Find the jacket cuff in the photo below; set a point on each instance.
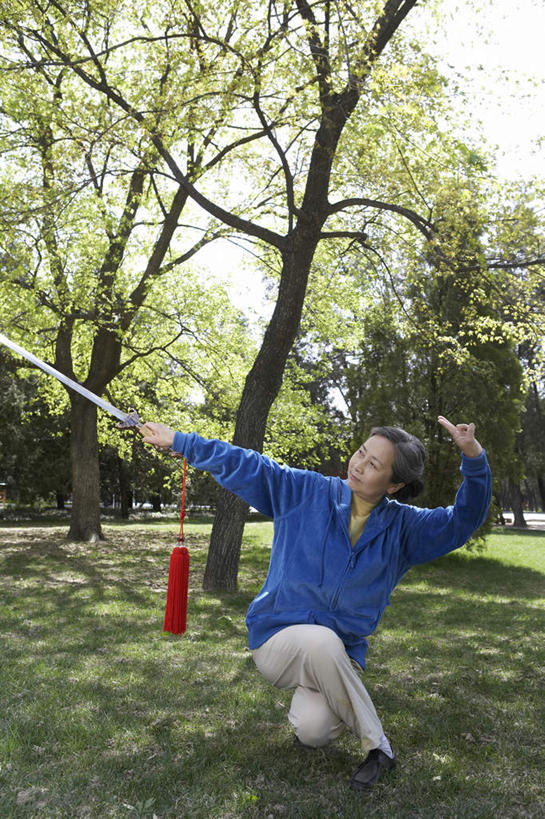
(180, 443)
(474, 466)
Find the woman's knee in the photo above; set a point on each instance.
(314, 722)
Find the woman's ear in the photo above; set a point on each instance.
(395, 487)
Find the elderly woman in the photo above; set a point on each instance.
(339, 549)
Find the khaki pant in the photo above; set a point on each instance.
(329, 694)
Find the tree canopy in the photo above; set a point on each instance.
(318, 134)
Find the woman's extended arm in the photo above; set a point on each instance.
(431, 533)
(257, 479)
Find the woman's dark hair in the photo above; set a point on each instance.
(409, 460)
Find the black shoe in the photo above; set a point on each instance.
(371, 769)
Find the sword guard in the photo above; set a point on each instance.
(132, 421)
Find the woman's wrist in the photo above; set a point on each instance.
(473, 451)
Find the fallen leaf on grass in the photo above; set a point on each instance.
(485, 739)
(29, 794)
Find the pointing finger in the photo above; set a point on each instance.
(447, 425)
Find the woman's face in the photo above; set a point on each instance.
(370, 470)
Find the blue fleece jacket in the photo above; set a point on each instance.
(315, 576)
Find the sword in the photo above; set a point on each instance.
(128, 419)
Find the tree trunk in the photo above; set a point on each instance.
(224, 553)
(265, 378)
(85, 520)
(516, 505)
(530, 495)
(60, 499)
(125, 492)
(541, 487)
(497, 500)
(260, 390)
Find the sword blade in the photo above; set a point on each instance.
(68, 382)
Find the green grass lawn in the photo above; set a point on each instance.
(103, 715)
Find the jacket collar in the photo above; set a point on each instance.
(378, 519)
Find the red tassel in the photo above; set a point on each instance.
(178, 578)
(178, 581)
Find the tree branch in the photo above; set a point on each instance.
(418, 221)
(385, 27)
(288, 176)
(154, 349)
(184, 257)
(512, 265)
(102, 86)
(236, 144)
(357, 235)
(155, 261)
(319, 52)
(118, 243)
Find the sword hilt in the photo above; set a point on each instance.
(132, 421)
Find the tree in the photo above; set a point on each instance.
(91, 233)
(530, 444)
(436, 340)
(32, 450)
(533, 437)
(225, 73)
(66, 41)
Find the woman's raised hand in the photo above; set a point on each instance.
(463, 436)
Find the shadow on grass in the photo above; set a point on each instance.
(459, 571)
(101, 709)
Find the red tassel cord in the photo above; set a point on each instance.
(178, 579)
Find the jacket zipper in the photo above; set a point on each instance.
(350, 565)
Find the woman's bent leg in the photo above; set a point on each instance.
(313, 657)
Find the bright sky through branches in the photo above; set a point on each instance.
(494, 49)
(498, 50)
